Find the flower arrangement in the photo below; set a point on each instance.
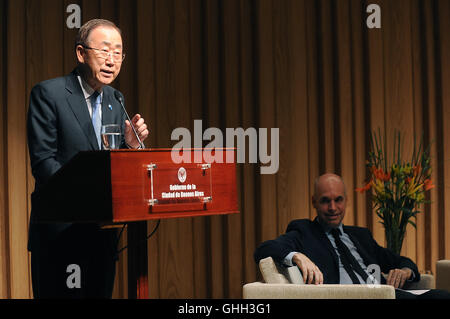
(398, 186)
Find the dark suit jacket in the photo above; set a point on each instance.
(307, 237)
(58, 127)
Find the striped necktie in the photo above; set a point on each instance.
(349, 261)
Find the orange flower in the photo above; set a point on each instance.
(428, 184)
(381, 175)
(365, 188)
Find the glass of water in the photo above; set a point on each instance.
(111, 136)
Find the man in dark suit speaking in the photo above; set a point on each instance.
(64, 118)
(327, 252)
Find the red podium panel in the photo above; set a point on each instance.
(149, 185)
(134, 185)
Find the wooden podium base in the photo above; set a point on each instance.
(137, 261)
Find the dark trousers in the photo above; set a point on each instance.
(81, 254)
(432, 294)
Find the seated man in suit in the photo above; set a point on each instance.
(328, 252)
(64, 118)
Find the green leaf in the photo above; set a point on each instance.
(412, 223)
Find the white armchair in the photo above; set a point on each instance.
(287, 283)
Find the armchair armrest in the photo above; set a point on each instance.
(443, 274)
(426, 282)
(274, 273)
(258, 290)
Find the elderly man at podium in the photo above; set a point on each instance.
(65, 117)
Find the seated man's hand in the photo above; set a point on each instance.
(311, 273)
(397, 277)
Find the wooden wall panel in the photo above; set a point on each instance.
(398, 80)
(199, 225)
(345, 109)
(16, 156)
(310, 68)
(266, 116)
(248, 113)
(327, 71)
(442, 12)
(4, 237)
(358, 57)
(313, 93)
(146, 88)
(233, 118)
(282, 48)
(418, 102)
(213, 108)
(376, 92)
(429, 104)
(294, 116)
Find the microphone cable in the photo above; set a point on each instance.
(139, 242)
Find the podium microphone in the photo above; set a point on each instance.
(119, 98)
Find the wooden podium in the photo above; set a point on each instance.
(131, 186)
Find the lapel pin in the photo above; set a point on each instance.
(110, 107)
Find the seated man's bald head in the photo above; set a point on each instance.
(329, 199)
(326, 178)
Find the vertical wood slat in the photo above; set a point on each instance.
(232, 108)
(435, 132)
(89, 10)
(108, 10)
(16, 153)
(431, 130)
(345, 107)
(184, 109)
(297, 170)
(248, 120)
(283, 109)
(313, 94)
(266, 100)
(4, 237)
(398, 83)
(146, 103)
(327, 71)
(359, 107)
(213, 108)
(376, 93)
(443, 12)
(199, 225)
(419, 69)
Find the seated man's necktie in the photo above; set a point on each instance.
(349, 261)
